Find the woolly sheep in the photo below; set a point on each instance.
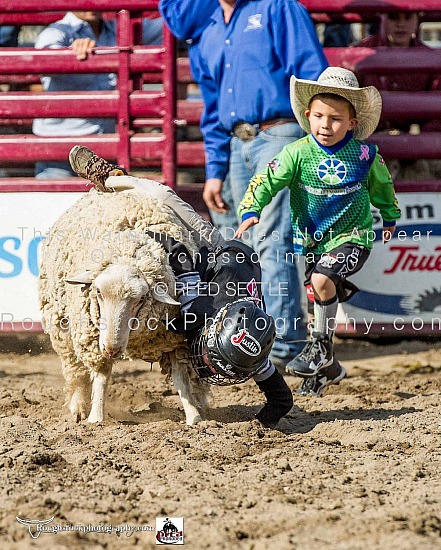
(105, 288)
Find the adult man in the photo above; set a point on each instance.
(229, 333)
(81, 31)
(247, 54)
(187, 19)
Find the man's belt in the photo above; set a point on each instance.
(246, 131)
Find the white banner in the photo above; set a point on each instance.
(25, 219)
(400, 285)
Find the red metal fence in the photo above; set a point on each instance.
(135, 108)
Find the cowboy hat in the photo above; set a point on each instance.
(335, 80)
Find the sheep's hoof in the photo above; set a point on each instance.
(78, 409)
(95, 419)
(195, 420)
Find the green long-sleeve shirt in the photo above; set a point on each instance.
(330, 192)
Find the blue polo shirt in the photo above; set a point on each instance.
(187, 18)
(245, 68)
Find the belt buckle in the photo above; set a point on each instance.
(245, 131)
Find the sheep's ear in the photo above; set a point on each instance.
(81, 279)
(165, 298)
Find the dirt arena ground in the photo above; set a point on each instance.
(358, 469)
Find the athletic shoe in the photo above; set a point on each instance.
(316, 355)
(92, 167)
(327, 376)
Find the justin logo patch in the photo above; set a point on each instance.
(247, 343)
(381, 160)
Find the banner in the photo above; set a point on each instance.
(400, 285)
(25, 219)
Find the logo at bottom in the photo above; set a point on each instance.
(169, 530)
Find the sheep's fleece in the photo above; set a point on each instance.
(98, 230)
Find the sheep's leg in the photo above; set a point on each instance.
(202, 393)
(100, 382)
(181, 381)
(79, 402)
(77, 387)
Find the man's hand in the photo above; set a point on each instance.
(245, 225)
(82, 47)
(212, 195)
(388, 233)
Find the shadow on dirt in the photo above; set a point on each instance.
(4, 374)
(32, 344)
(299, 421)
(347, 349)
(291, 424)
(151, 413)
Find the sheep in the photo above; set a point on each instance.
(105, 289)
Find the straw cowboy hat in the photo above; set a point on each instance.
(335, 80)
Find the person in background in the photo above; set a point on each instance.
(337, 35)
(247, 54)
(333, 177)
(9, 36)
(81, 31)
(187, 19)
(400, 30)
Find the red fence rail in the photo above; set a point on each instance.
(370, 6)
(128, 62)
(135, 108)
(34, 6)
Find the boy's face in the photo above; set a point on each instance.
(330, 120)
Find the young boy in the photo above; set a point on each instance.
(333, 176)
(238, 346)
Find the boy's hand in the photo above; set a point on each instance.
(245, 225)
(179, 257)
(388, 233)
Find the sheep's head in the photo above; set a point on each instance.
(121, 292)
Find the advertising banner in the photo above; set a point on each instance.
(400, 285)
(25, 219)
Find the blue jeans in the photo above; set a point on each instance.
(272, 238)
(226, 223)
(53, 170)
(9, 36)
